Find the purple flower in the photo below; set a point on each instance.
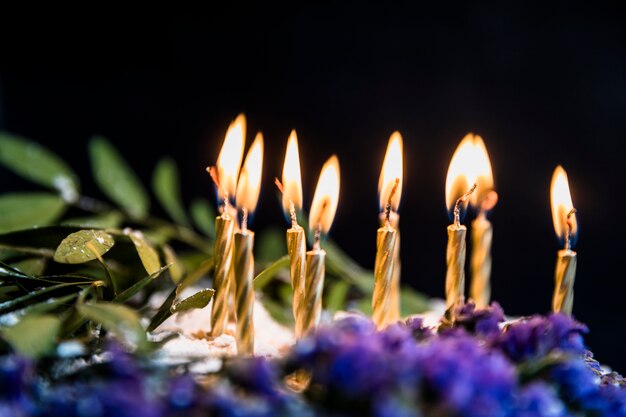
(483, 322)
(464, 377)
(15, 374)
(255, 374)
(416, 326)
(537, 336)
(538, 400)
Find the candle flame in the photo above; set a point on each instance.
(484, 174)
(562, 206)
(326, 197)
(249, 185)
(392, 170)
(292, 177)
(229, 159)
(462, 172)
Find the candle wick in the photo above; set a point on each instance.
(292, 207)
(292, 213)
(459, 203)
(568, 232)
(226, 208)
(244, 220)
(388, 205)
(317, 236)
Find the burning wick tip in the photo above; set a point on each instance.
(388, 205)
(292, 207)
(459, 203)
(568, 235)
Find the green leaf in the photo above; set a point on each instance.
(164, 311)
(138, 286)
(148, 255)
(199, 300)
(203, 216)
(116, 179)
(110, 219)
(176, 268)
(165, 184)
(11, 271)
(26, 210)
(336, 298)
(49, 305)
(412, 302)
(36, 163)
(15, 303)
(34, 335)
(118, 319)
(33, 267)
(83, 246)
(271, 244)
(265, 276)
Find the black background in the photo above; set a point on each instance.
(543, 85)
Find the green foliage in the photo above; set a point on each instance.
(116, 179)
(165, 184)
(24, 210)
(34, 335)
(203, 216)
(37, 164)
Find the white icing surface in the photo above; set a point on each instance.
(194, 340)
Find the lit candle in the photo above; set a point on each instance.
(291, 188)
(386, 296)
(248, 189)
(225, 177)
(484, 199)
(566, 227)
(320, 219)
(460, 184)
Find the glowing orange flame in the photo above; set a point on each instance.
(462, 172)
(392, 170)
(229, 159)
(249, 185)
(561, 202)
(292, 177)
(326, 197)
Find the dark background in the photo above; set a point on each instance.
(543, 85)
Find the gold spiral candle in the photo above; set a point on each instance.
(564, 275)
(394, 297)
(222, 254)
(244, 274)
(455, 260)
(296, 249)
(312, 305)
(480, 263)
(383, 272)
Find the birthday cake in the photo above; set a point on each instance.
(88, 328)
